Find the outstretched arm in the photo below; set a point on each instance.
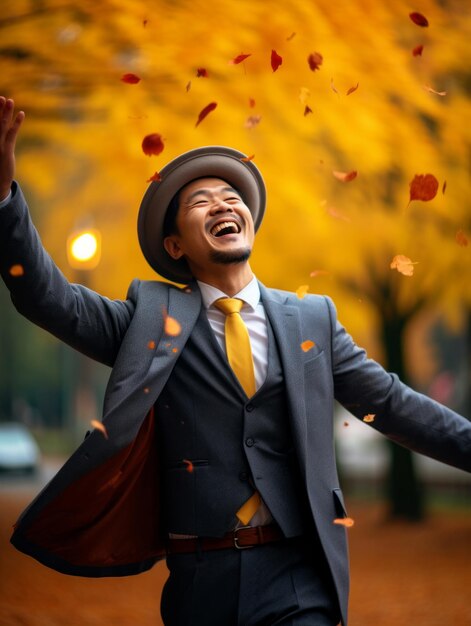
(82, 318)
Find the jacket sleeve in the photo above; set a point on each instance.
(405, 416)
(88, 322)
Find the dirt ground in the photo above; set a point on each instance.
(402, 574)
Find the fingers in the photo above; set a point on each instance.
(9, 126)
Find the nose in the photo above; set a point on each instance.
(221, 206)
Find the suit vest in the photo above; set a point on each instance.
(216, 444)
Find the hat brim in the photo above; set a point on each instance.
(208, 161)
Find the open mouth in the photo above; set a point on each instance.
(225, 228)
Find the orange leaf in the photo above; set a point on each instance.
(175, 350)
(304, 95)
(130, 79)
(16, 270)
(307, 345)
(188, 86)
(152, 144)
(172, 327)
(353, 89)
(251, 103)
(302, 291)
(315, 61)
(276, 60)
(431, 90)
(315, 273)
(403, 265)
(344, 521)
(444, 186)
(369, 418)
(423, 187)
(461, 238)
(419, 19)
(345, 177)
(151, 345)
(204, 112)
(417, 51)
(202, 72)
(248, 158)
(290, 37)
(252, 121)
(332, 86)
(338, 216)
(155, 177)
(307, 110)
(189, 465)
(99, 426)
(238, 59)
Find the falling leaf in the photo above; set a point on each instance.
(144, 23)
(419, 19)
(431, 90)
(154, 178)
(251, 103)
(207, 109)
(252, 121)
(188, 86)
(302, 291)
(189, 465)
(344, 521)
(353, 89)
(238, 59)
(461, 238)
(444, 186)
(152, 144)
(403, 264)
(130, 79)
(315, 61)
(345, 177)
(369, 418)
(307, 345)
(151, 345)
(175, 350)
(304, 95)
(417, 51)
(333, 212)
(290, 37)
(99, 426)
(346, 424)
(423, 187)
(248, 158)
(276, 60)
(146, 389)
(315, 273)
(307, 110)
(332, 86)
(171, 326)
(202, 72)
(16, 270)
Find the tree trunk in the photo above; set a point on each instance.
(405, 494)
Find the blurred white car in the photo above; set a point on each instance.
(19, 451)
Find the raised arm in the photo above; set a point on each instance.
(80, 317)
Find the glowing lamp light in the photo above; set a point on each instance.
(84, 249)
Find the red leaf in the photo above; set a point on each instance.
(155, 177)
(189, 465)
(417, 51)
(207, 109)
(16, 270)
(345, 177)
(202, 72)
(130, 79)
(461, 238)
(352, 89)
(151, 345)
(419, 19)
(423, 187)
(307, 345)
(248, 158)
(276, 60)
(152, 144)
(238, 59)
(251, 103)
(315, 60)
(307, 110)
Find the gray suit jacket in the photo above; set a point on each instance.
(99, 515)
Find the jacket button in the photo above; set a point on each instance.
(249, 407)
(249, 442)
(243, 476)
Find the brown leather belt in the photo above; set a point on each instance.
(240, 539)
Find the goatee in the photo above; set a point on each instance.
(234, 256)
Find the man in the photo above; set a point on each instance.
(220, 447)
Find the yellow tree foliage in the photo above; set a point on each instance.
(81, 161)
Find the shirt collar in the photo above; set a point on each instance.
(250, 294)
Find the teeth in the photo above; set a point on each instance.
(221, 226)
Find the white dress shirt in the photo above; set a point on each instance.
(6, 200)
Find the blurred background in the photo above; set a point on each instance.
(381, 96)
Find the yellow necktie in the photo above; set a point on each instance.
(239, 355)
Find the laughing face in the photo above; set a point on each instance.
(213, 227)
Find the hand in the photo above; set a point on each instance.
(9, 128)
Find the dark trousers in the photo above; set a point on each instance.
(286, 583)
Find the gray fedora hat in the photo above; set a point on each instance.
(208, 161)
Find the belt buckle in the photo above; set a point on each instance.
(236, 539)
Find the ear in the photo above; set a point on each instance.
(172, 247)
